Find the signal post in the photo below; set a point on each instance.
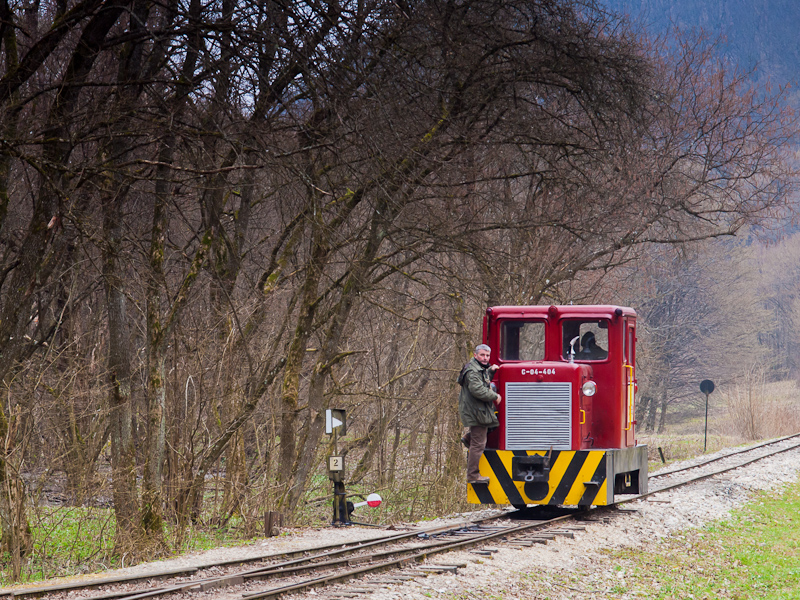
(335, 423)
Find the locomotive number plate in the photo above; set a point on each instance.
(538, 371)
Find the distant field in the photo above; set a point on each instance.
(738, 415)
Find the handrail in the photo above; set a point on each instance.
(629, 398)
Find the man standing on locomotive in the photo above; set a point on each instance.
(476, 408)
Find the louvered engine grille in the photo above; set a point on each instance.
(538, 415)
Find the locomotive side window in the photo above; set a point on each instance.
(592, 338)
(630, 345)
(522, 340)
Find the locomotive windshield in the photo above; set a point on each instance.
(592, 343)
(522, 340)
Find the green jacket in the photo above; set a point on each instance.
(476, 401)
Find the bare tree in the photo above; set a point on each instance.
(289, 205)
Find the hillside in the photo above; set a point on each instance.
(755, 35)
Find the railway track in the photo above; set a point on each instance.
(397, 558)
(727, 462)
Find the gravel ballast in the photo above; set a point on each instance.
(547, 567)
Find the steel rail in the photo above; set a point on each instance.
(239, 578)
(723, 457)
(407, 560)
(321, 581)
(320, 552)
(416, 554)
(708, 475)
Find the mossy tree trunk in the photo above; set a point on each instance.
(16, 532)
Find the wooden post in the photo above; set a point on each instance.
(273, 521)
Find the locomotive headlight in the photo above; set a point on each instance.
(589, 388)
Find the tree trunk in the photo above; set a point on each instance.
(290, 388)
(152, 490)
(461, 353)
(372, 439)
(395, 447)
(662, 421)
(158, 329)
(257, 386)
(123, 452)
(650, 415)
(16, 532)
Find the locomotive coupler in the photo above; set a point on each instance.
(530, 468)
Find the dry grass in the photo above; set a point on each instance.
(757, 409)
(676, 446)
(751, 409)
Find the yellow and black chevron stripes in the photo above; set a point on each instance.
(577, 477)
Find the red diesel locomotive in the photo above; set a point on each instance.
(567, 432)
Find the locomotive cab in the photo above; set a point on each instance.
(568, 382)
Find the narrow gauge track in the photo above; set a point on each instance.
(281, 562)
(738, 458)
(345, 568)
(747, 450)
(356, 559)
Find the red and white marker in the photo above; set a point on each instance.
(373, 501)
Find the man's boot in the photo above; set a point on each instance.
(477, 480)
(473, 470)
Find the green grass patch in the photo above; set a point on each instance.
(74, 540)
(754, 555)
(200, 537)
(64, 542)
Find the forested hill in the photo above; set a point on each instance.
(756, 34)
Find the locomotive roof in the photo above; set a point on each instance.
(578, 310)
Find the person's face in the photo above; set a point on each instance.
(482, 356)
